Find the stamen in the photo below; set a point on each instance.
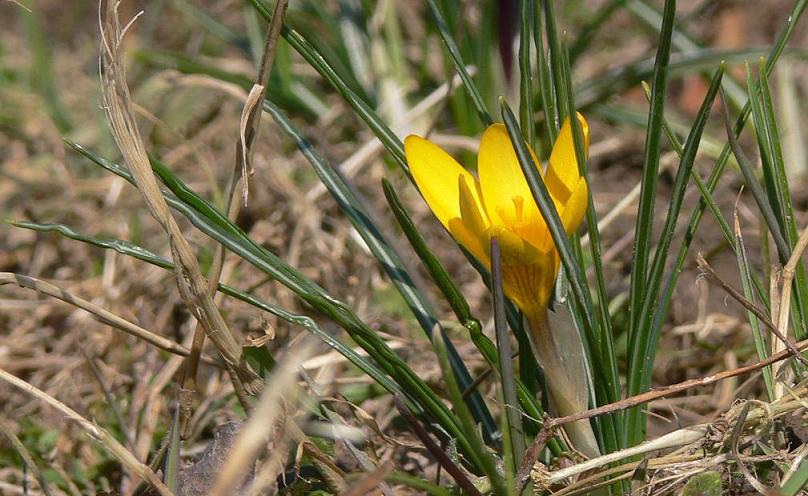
(518, 203)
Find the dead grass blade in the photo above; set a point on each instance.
(193, 287)
(371, 481)
(700, 443)
(102, 315)
(248, 130)
(100, 435)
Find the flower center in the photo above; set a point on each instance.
(514, 218)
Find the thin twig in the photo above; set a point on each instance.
(531, 455)
(443, 459)
(760, 314)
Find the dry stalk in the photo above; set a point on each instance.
(531, 455)
(193, 287)
(98, 434)
(102, 315)
(744, 416)
(248, 130)
(787, 277)
(760, 314)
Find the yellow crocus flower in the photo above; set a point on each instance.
(499, 204)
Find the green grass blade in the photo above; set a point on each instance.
(135, 251)
(457, 60)
(762, 200)
(216, 225)
(642, 349)
(554, 50)
(382, 131)
(549, 105)
(798, 480)
(388, 258)
(645, 212)
(171, 466)
(789, 227)
(667, 295)
(479, 453)
(746, 282)
(526, 20)
(513, 433)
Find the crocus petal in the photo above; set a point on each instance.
(502, 181)
(562, 173)
(514, 249)
(471, 211)
(575, 208)
(436, 173)
(470, 240)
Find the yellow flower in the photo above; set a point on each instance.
(500, 205)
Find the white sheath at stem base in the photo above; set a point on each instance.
(558, 348)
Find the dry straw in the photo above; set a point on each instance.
(193, 287)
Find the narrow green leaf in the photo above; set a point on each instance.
(552, 122)
(762, 200)
(746, 282)
(460, 66)
(526, 20)
(555, 59)
(789, 227)
(798, 480)
(642, 350)
(171, 465)
(478, 452)
(645, 210)
(388, 258)
(511, 422)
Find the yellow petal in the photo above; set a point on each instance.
(502, 182)
(575, 208)
(514, 249)
(471, 211)
(470, 240)
(562, 172)
(436, 173)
